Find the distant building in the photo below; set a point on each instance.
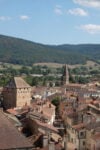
(65, 77)
(17, 93)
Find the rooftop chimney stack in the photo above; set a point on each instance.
(51, 145)
(45, 140)
(65, 142)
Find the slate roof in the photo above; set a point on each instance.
(10, 137)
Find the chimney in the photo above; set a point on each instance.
(82, 118)
(51, 145)
(49, 105)
(1, 109)
(65, 91)
(65, 142)
(45, 140)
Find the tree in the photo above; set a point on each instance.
(83, 80)
(56, 101)
(29, 79)
(25, 70)
(35, 81)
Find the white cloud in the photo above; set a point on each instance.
(88, 3)
(24, 17)
(5, 18)
(58, 10)
(91, 28)
(78, 12)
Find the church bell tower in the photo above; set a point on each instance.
(65, 77)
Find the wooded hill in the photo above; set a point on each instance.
(19, 51)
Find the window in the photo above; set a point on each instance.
(81, 133)
(72, 140)
(83, 143)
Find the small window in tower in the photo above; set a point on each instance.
(83, 143)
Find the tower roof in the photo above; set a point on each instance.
(65, 75)
(18, 82)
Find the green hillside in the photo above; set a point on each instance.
(19, 51)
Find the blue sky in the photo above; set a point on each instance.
(51, 21)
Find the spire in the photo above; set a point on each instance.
(65, 75)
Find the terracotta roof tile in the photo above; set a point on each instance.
(45, 125)
(10, 137)
(20, 83)
(79, 126)
(96, 137)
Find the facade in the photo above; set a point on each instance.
(95, 142)
(76, 133)
(79, 136)
(17, 93)
(93, 136)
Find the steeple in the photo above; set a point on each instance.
(65, 76)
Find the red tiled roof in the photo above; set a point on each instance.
(45, 125)
(20, 83)
(12, 111)
(96, 137)
(10, 137)
(57, 147)
(74, 85)
(17, 112)
(79, 126)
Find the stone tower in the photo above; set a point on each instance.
(17, 93)
(65, 77)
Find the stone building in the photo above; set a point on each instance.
(95, 142)
(93, 136)
(17, 93)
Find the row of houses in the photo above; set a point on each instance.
(27, 122)
(32, 116)
(81, 115)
